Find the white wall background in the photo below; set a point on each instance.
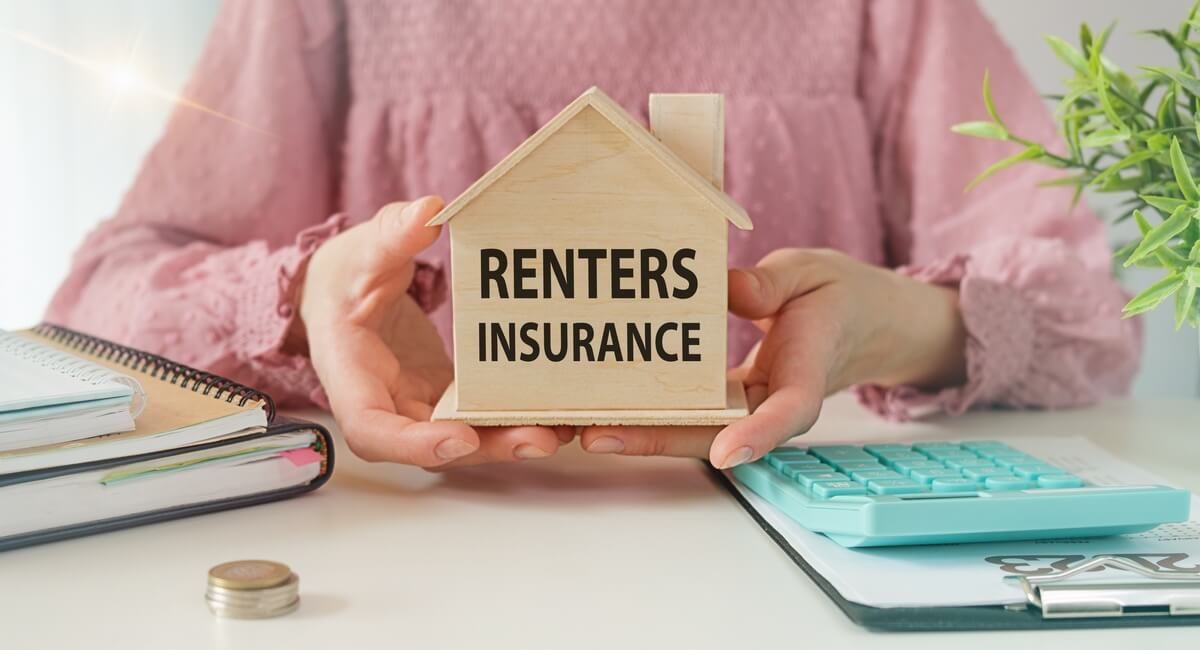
(68, 150)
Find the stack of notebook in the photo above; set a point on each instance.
(95, 436)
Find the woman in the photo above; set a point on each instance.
(248, 246)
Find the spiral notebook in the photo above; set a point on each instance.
(198, 443)
(49, 396)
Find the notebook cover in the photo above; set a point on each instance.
(940, 619)
(280, 425)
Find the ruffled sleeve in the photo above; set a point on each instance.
(1036, 292)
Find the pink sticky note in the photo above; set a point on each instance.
(300, 457)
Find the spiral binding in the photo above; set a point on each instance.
(158, 367)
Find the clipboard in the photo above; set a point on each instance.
(1053, 601)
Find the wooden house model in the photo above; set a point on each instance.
(589, 272)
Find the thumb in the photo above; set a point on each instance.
(401, 233)
(760, 292)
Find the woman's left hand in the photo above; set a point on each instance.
(829, 322)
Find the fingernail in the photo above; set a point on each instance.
(452, 448)
(606, 445)
(738, 457)
(529, 452)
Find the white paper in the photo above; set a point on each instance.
(974, 574)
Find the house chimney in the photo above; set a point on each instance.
(693, 126)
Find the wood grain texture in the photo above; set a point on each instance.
(595, 99)
(693, 126)
(590, 186)
(735, 396)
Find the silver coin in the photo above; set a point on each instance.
(253, 605)
(240, 612)
(289, 588)
(252, 589)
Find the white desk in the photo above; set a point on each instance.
(576, 551)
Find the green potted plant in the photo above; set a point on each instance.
(1136, 136)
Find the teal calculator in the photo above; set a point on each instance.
(947, 492)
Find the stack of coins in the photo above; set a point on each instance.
(252, 589)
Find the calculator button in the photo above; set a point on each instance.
(838, 489)
(935, 445)
(856, 465)
(876, 450)
(907, 466)
(986, 446)
(789, 452)
(981, 474)
(810, 469)
(840, 452)
(953, 485)
(778, 462)
(894, 486)
(790, 468)
(874, 475)
(927, 475)
(891, 458)
(810, 480)
(964, 463)
(1007, 483)
(1034, 471)
(833, 449)
(1011, 461)
(952, 454)
(1059, 481)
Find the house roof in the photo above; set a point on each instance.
(613, 112)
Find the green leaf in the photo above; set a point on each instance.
(989, 130)
(1153, 295)
(1132, 159)
(1163, 204)
(1166, 35)
(1163, 233)
(1029, 153)
(988, 104)
(1183, 175)
(1103, 41)
(1185, 29)
(1104, 137)
(1158, 142)
(1067, 102)
(1189, 83)
(1073, 180)
(1125, 251)
(1106, 103)
(1192, 275)
(1170, 258)
(1096, 59)
(1071, 131)
(1069, 55)
(1165, 114)
(1194, 256)
(1143, 225)
(1184, 301)
(1121, 184)
(1084, 113)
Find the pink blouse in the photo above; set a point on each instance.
(838, 117)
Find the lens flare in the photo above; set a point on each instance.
(126, 79)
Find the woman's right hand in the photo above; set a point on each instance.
(380, 359)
